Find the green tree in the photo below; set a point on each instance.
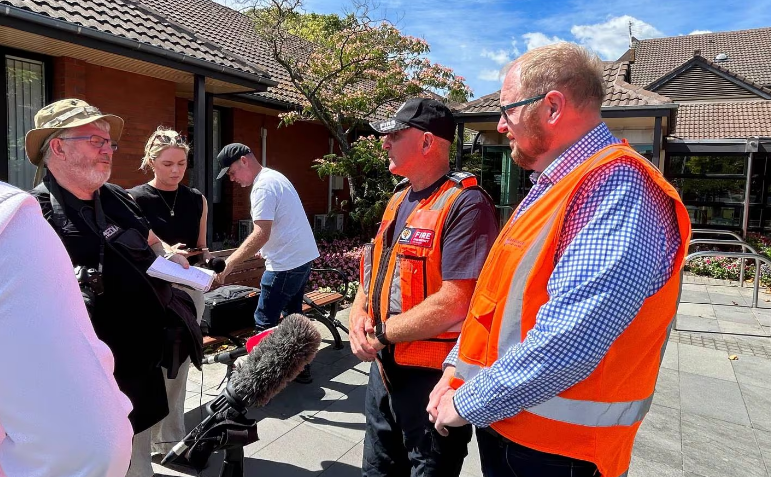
(355, 68)
(367, 155)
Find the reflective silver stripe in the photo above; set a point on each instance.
(593, 413)
(442, 200)
(465, 371)
(511, 327)
(395, 300)
(367, 263)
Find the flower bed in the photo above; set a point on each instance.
(343, 254)
(728, 268)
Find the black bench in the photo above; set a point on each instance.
(317, 305)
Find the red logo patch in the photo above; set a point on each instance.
(417, 237)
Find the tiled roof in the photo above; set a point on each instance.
(711, 64)
(129, 19)
(747, 50)
(726, 120)
(617, 93)
(234, 32)
(620, 93)
(486, 104)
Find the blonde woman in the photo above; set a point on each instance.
(177, 214)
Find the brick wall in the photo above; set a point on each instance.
(143, 102)
(290, 150)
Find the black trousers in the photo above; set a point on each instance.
(399, 440)
(501, 457)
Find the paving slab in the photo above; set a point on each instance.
(670, 359)
(697, 323)
(715, 448)
(758, 402)
(754, 371)
(735, 314)
(658, 439)
(641, 467)
(696, 309)
(763, 439)
(667, 389)
(305, 447)
(705, 362)
(712, 398)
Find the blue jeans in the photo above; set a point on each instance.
(281, 291)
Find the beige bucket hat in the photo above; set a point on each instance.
(65, 114)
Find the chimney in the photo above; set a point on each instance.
(697, 52)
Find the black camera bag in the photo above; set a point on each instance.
(229, 308)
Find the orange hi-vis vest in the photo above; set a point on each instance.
(397, 278)
(596, 419)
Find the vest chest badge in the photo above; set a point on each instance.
(417, 237)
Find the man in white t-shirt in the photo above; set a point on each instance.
(282, 235)
(61, 412)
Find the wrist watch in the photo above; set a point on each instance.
(380, 333)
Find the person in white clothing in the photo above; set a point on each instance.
(282, 235)
(61, 412)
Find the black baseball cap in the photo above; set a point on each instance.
(425, 114)
(230, 154)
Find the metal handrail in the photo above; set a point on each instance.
(757, 257)
(717, 232)
(745, 247)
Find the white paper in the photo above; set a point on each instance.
(195, 277)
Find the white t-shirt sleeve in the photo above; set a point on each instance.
(61, 412)
(264, 203)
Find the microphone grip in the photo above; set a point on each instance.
(226, 357)
(216, 264)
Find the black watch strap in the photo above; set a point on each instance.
(380, 333)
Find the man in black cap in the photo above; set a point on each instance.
(418, 277)
(282, 235)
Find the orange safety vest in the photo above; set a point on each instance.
(397, 278)
(596, 419)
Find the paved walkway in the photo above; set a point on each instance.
(711, 415)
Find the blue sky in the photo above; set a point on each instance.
(477, 37)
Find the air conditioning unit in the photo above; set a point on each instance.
(337, 182)
(328, 223)
(245, 227)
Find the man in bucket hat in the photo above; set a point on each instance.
(111, 246)
(417, 278)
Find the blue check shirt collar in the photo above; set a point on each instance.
(592, 142)
(584, 148)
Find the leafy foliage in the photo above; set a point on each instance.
(356, 66)
(367, 156)
(726, 268)
(343, 254)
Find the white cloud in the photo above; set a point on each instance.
(489, 75)
(536, 39)
(699, 32)
(501, 57)
(611, 39)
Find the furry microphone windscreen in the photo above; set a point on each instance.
(276, 360)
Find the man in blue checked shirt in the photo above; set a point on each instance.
(558, 358)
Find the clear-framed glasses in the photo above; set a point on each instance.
(96, 141)
(170, 139)
(506, 107)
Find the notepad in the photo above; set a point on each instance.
(194, 277)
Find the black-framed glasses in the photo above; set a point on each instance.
(168, 139)
(96, 141)
(506, 107)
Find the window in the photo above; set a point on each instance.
(713, 188)
(25, 94)
(216, 142)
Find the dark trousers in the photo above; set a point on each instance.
(501, 457)
(399, 440)
(281, 291)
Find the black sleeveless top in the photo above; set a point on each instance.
(184, 225)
